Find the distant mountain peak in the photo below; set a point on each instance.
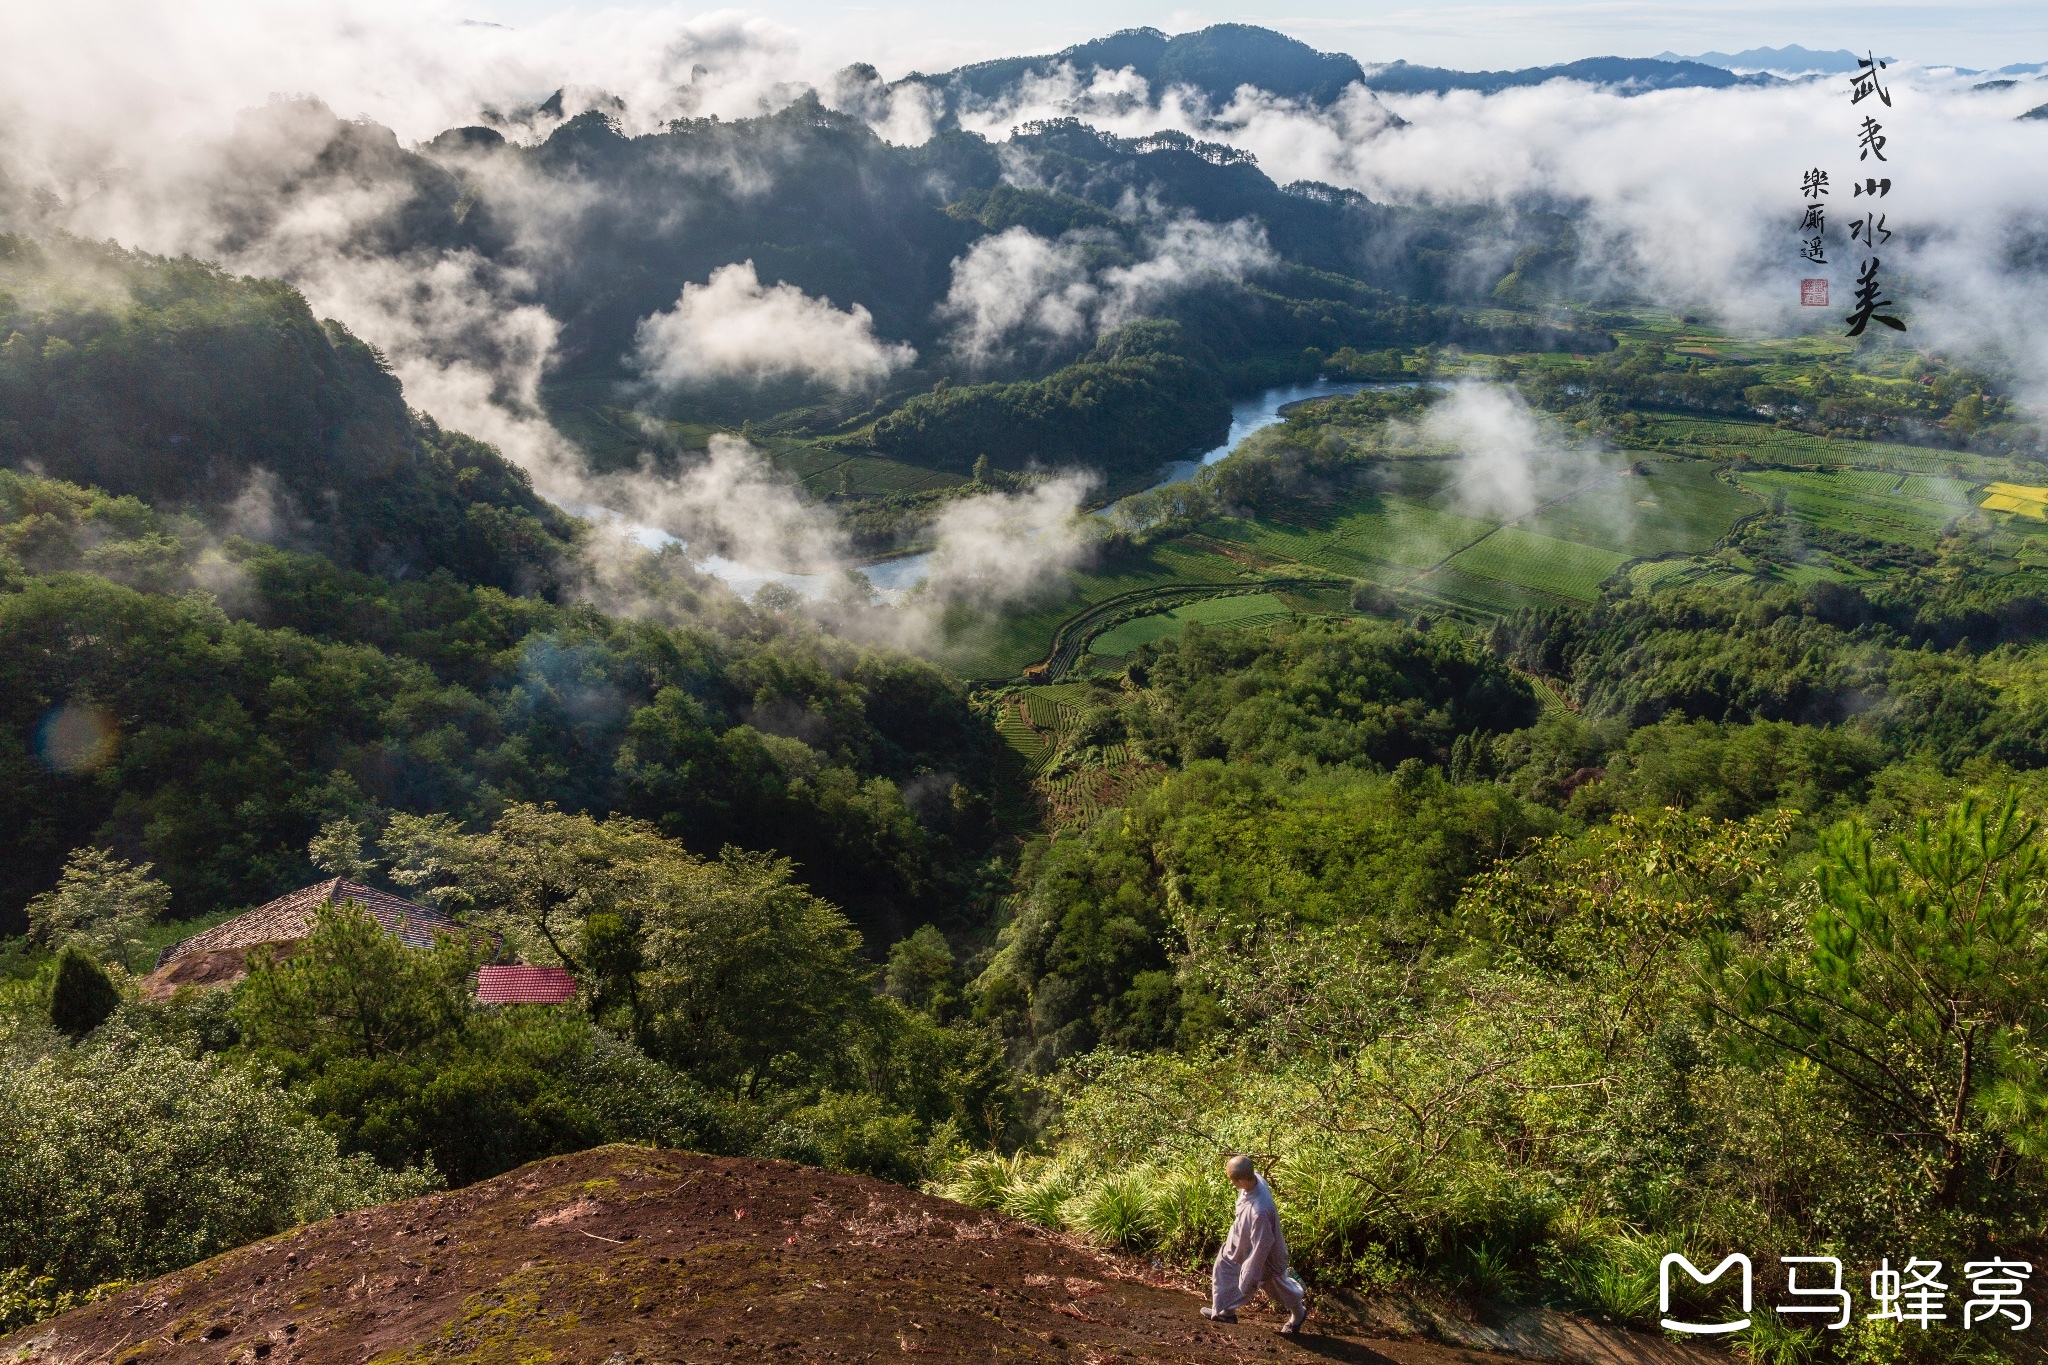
(1215, 61)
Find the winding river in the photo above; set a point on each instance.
(894, 577)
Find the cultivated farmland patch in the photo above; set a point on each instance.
(1677, 506)
(1544, 563)
(1250, 610)
(1883, 506)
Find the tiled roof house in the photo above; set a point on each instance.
(290, 917)
(217, 956)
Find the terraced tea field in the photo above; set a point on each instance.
(1909, 509)
(1035, 722)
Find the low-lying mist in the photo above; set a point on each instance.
(1510, 464)
(126, 122)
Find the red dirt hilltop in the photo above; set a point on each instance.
(631, 1256)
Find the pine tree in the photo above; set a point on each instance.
(83, 995)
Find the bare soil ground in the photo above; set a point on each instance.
(629, 1256)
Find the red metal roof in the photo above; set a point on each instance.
(524, 986)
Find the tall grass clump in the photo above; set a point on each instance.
(1116, 1210)
(1042, 1197)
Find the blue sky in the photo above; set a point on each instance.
(934, 34)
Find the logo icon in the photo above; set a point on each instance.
(1813, 293)
(1701, 1277)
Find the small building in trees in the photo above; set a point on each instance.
(518, 984)
(219, 956)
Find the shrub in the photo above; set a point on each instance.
(82, 996)
(27, 1298)
(983, 1180)
(853, 1133)
(1192, 1209)
(1042, 1200)
(129, 1163)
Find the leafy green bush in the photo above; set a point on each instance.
(854, 1133)
(27, 1298)
(127, 1162)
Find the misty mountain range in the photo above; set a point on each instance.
(1218, 61)
(1056, 266)
(1794, 60)
(1789, 60)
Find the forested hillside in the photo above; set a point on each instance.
(219, 741)
(199, 392)
(393, 645)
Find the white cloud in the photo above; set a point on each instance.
(992, 550)
(735, 327)
(1006, 547)
(1017, 285)
(1017, 282)
(1184, 254)
(1509, 464)
(731, 503)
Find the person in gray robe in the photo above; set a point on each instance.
(1254, 1255)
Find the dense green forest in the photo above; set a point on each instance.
(143, 714)
(1131, 406)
